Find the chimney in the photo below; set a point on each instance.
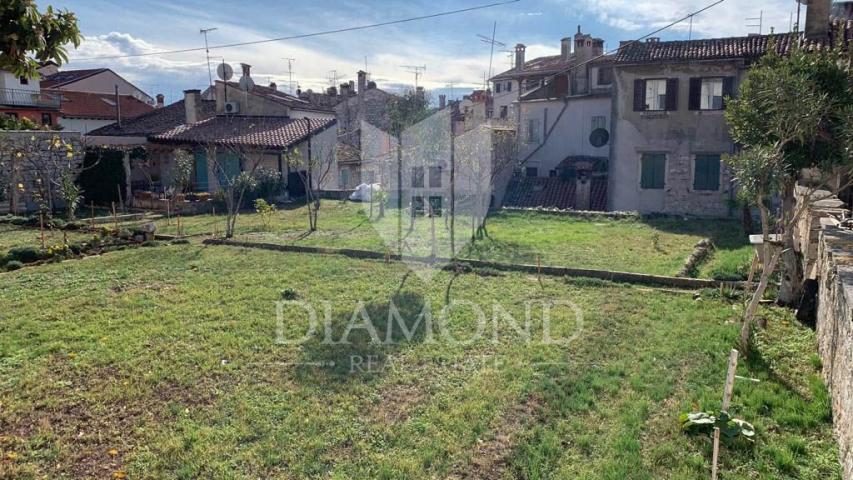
(161, 100)
(247, 69)
(362, 81)
(273, 86)
(565, 48)
(332, 91)
(192, 105)
(817, 19)
(371, 85)
(442, 101)
(345, 90)
(519, 56)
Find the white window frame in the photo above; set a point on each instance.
(656, 95)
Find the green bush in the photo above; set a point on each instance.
(16, 220)
(14, 265)
(180, 241)
(102, 175)
(25, 254)
(151, 243)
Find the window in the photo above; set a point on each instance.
(498, 86)
(509, 86)
(503, 111)
(710, 93)
(533, 130)
(46, 119)
(434, 177)
(435, 204)
(417, 205)
(653, 168)
(344, 177)
(605, 75)
(599, 122)
(418, 177)
(656, 95)
(531, 172)
(706, 172)
(24, 80)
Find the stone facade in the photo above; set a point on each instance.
(835, 333)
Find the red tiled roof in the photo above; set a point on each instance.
(68, 76)
(841, 33)
(553, 192)
(545, 66)
(100, 105)
(154, 122)
(248, 131)
(282, 98)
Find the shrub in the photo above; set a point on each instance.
(180, 241)
(25, 254)
(266, 211)
(151, 243)
(75, 225)
(289, 294)
(102, 175)
(18, 220)
(14, 265)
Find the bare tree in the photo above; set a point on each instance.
(313, 166)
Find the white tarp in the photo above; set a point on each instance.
(364, 192)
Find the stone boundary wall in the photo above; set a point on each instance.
(834, 268)
(807, 231)
(627, 277)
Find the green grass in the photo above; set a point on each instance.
(12, 236)
(168, 356)
(655, 246)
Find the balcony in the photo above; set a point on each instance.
(13, 97)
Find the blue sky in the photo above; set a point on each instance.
(448, 46)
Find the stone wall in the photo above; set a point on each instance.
(834, 268)
(825, 212)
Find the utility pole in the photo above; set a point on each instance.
(289, 73)
(204, 31)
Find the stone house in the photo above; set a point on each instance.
(669, 132)
(568, 95)
(260, 123)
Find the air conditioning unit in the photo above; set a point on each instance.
(232, 107)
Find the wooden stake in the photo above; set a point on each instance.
(727, 396)
(168, 212)
(115, 217)
(92, 218)
(215, 223)
(41, 228)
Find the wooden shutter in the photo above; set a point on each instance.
(652, 171)
(671, 94)
(639, 95)
(706, 174)
(695, 102)
(728, 89)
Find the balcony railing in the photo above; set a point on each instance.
(28, 98)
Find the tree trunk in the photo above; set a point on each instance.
(791, 288)
(746, 222)
(746, 329)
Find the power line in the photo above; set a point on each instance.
(307, 35)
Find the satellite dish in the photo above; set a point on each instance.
(224, 72)
(246, 83)
(599, 137)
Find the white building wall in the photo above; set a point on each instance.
(105, 82)
(83, 125)
(9, 80)
(571, 134)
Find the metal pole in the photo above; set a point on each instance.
(204, 31)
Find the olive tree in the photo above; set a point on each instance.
(794, 114)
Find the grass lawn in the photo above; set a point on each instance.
(655, 246)
(162, 363)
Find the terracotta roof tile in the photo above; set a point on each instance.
(248, 131)
(154, 122)
(748, 48)
(100, 105)
(68, 76)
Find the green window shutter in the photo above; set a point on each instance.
(706, 175)
(653, 171)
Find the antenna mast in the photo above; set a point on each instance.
(418, 70)
(759, 19)
(204, 31)
(491, 42)
(289, 74)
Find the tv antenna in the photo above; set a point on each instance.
(759, 19)
(491, 42)
(289, 74)
(418, 70)
(205, 31)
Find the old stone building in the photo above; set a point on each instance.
(670, 134)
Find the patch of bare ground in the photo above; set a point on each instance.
(82, 432)
(397, 403)
(491, 455)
